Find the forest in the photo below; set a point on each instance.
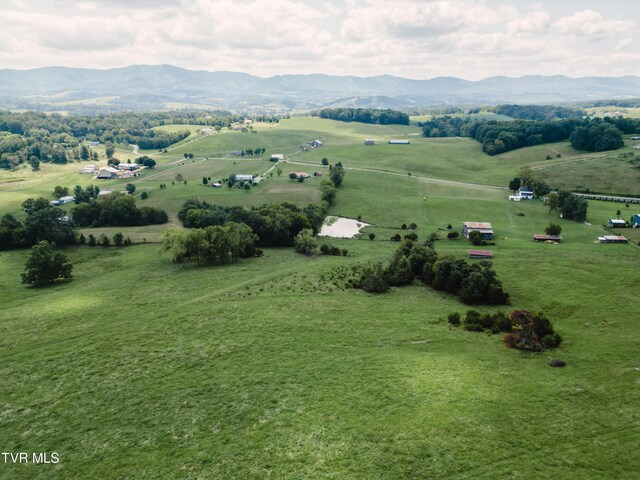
(366, 115)
(499, 137)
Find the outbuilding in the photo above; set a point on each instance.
(244, 178)
(482, 254)
(617, 222)
(612, 239)
(399, 142)
(485, 229)
(547, 238)
(635, 220)
(525, 194)
(368, 141)
(108, 172)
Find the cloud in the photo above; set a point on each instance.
(414, 38)
(588, 23)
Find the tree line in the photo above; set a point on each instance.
(365, 115)
(473, 283)
(539, 112)
(499, 137)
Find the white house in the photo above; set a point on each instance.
(278, 157)
(108, 172)
(244, 178)
(525, 194)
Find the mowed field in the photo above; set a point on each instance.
(269, 368)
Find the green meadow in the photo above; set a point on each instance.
(271, 368)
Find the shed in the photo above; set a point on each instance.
(617, 222)
(547, 238)
(635, 220)
(128, 166)
(67, 199)
(612, 239)
(484, 228)
(368, 141)
(277, 157)
(480, 254)
(216, 185)
(399, 142)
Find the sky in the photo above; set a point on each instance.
(420, 39)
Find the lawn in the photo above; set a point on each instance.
(271, 368)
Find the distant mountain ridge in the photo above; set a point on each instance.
(153, 86)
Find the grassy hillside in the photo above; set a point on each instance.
(270, 368)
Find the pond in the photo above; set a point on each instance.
(339, 227)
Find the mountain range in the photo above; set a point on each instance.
(166, 86)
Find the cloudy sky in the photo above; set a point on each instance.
(421, 39)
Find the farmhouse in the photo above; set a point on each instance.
(485, 254)
(244, 178)
(547, 238)
(368, 141)
(93, 144)
(617, 222)
(635, 221)
(485, 229)
(256, 180)
(399, 142)
(612, 239)
(108, 172)
(277, 157)
(525, 194)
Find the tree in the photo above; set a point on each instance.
(118, 239)
(553, 229)
(84, 153)
(131, 188)
(279, 171)
(34, 162)
(149, 162)
(45, 265)
(514, 184)
(144, 195)
(305, 243)
(293, 176)
(553, 201)
(574, 207)
(336, 174)
(59, 191)
(372, 236)
(372, 280)
(526, 176)
(179, 177)
(413, 226)
(109, 149)
(205, 181)
(540, 188)
(325, 162)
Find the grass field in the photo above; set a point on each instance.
(269, 368)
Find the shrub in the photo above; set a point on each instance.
(259, 252)
(118, 239)
(344, 252)
(333, 250)
(144, 195)
(104, 240)
(324, 249)
(473, 327)
(475, 237)
(413, 236)
(305, 243)
(92, 241)
(454, 318)
(396, 238)
(453, 235)
(373, 281)
(413, 226)
(404, 226)
(557, 362)
(553, 229)
(372, 236)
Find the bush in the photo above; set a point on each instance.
(475, 237)
(396, 237)
(324, 249)
(473, 327)
(413, 236)
(413, 226)
(556, 362)
(45, 265)
(404, 226)
(553, 229)
(372, 236)
(454, 318)
(92, 241)
(453, 235)
(373, 281)
(144, 195)
(104, 240)
(259, 252)
(305, 243)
